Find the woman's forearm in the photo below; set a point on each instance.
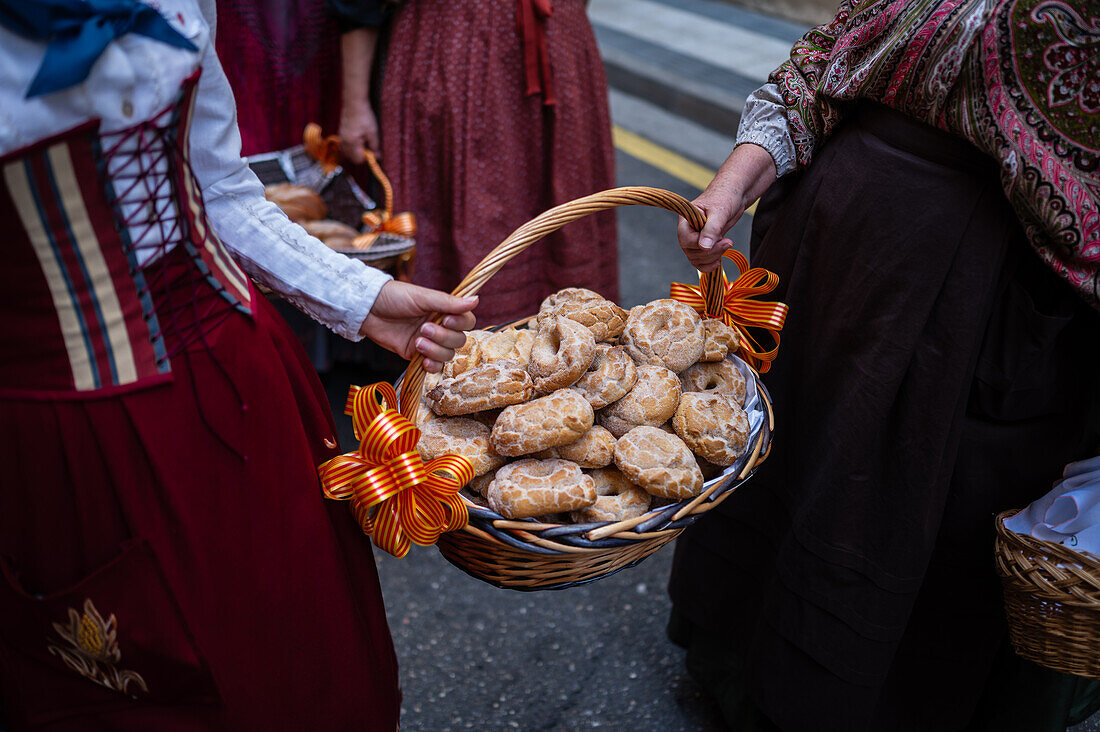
(357, 48)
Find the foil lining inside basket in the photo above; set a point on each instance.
(386, 245)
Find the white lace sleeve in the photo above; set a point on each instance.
(332, 289)
(764, 123)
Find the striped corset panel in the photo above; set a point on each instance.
(110, 265)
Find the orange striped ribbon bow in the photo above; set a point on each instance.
(395, 495)
(716, 297)
(325, 150)
(403, 224)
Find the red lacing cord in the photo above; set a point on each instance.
(189, 307)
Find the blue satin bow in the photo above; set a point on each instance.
(78, 32)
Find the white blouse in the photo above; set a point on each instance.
(136, 78)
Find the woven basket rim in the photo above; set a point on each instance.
(1012, 539)
(553, 538)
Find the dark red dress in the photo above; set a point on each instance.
(282, 58)
(474, 156)
(166, 558)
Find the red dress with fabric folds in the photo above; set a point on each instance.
(474, 155)
(167, 561)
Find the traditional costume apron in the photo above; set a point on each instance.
(167, 559)
(933, 372)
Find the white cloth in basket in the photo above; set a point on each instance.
(1070, 513)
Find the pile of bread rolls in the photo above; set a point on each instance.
(591, 413)
(305, 207)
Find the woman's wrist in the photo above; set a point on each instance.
(744, 176)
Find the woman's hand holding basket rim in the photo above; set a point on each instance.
(400, 322)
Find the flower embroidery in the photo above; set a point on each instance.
(1075, 61)
(93, 650)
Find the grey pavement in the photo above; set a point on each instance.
(476, 657)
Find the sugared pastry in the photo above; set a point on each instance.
(466, 357)
(488, 417)
(652, 401)
(617, 499)
(610, 376)
(720, 377)
(665, 333)
(712, 427)
(334, 234)
(720, 340)
(658, 462)
(490, 386)
(529, 488)
(425, 414)
(604, 318)
(512, 344)
(562, 352)
(299, 203)
(549, 421)
(594, 449)
(709, 469)
(459, 436)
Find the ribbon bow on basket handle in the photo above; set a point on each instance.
(403, 224)
(717, 297)
(396, 497)
(326, 151)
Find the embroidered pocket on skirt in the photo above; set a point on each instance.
(113, 639)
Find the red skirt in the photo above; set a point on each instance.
(474, 157)
(168, 559)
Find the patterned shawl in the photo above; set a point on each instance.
(1020, 79)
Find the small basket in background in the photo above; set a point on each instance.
(386, 241)
(1052, 601)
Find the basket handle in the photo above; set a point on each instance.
(546, 223)
(387, 189)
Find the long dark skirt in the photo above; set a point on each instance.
(931, 374)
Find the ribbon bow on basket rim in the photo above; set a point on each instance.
(396, 497)
(717, 297)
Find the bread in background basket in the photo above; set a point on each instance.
(325, 200)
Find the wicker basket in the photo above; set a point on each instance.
(527, 555)
(1052, 600)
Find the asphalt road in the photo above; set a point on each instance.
(476, 657)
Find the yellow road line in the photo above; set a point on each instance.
(661, 158)
(664, 159)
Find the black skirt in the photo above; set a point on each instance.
(932, 373)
